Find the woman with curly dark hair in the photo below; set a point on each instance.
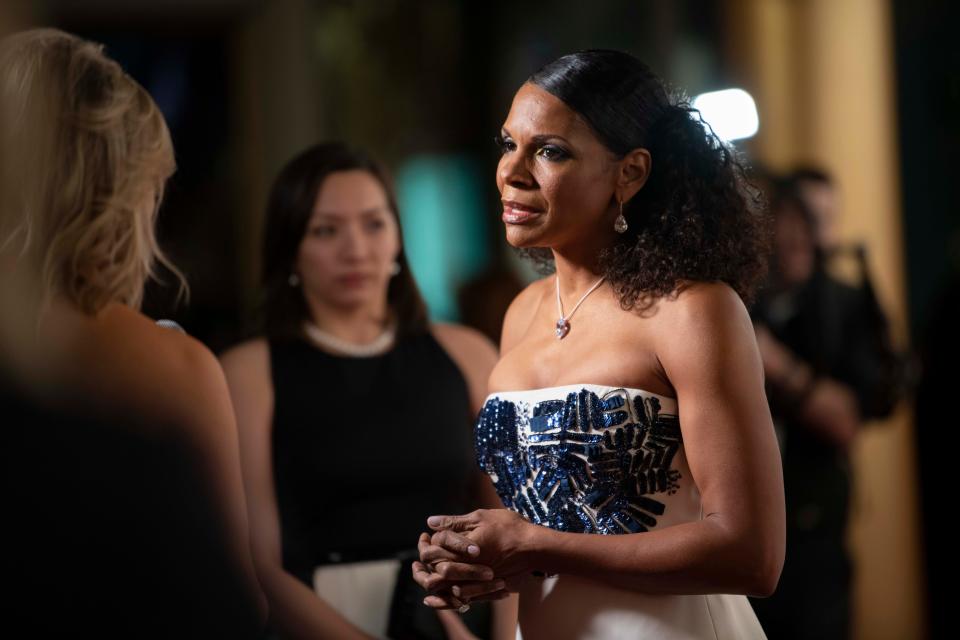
(627, 433)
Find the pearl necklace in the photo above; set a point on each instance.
(380, 344)
(563, 323)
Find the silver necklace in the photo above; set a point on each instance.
(380, 344)
(563, 323)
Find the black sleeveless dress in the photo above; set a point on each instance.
(365, 449)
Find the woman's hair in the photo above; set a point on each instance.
(92, 155)
(697, 217)
(289, 209)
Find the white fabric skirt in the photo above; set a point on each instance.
(563, 607)
(361, 591)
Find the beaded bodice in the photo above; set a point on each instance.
(587, 458)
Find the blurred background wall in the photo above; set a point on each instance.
(824, 76)
(868, 89)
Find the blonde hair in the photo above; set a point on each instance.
(92, 154)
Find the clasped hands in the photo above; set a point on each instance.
(482, 555)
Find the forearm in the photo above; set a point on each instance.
(297, 612)
(453, 625)
(690, 558)
(504, 624)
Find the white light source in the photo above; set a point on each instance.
(731, 113)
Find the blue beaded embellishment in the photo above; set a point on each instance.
(582, 464)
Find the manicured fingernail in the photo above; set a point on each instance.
(456, 591)
(473, 550)
(499, 584)
(434, 521)
(488, 574)
(426, 602)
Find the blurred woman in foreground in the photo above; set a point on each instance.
(87, 154)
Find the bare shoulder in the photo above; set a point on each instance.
(521, 311)
(473, 353)
(702, 306)
(247, 369)
(461, 341)
(706, 328)
(152, 370)
(251, 357)
(164, 351)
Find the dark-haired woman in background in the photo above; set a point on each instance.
(354, 410)
(628, 433)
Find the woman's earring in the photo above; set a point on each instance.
(620, 224)
(293, 280)
(395, 268)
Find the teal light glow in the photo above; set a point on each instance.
(444, 226)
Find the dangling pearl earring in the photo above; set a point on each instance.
(293, 280)
(620, 224)
(395, 268)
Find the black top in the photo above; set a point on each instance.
(365, 449)
(109, 530)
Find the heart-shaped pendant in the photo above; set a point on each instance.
(563, 328)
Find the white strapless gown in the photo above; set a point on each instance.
(589, 458)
